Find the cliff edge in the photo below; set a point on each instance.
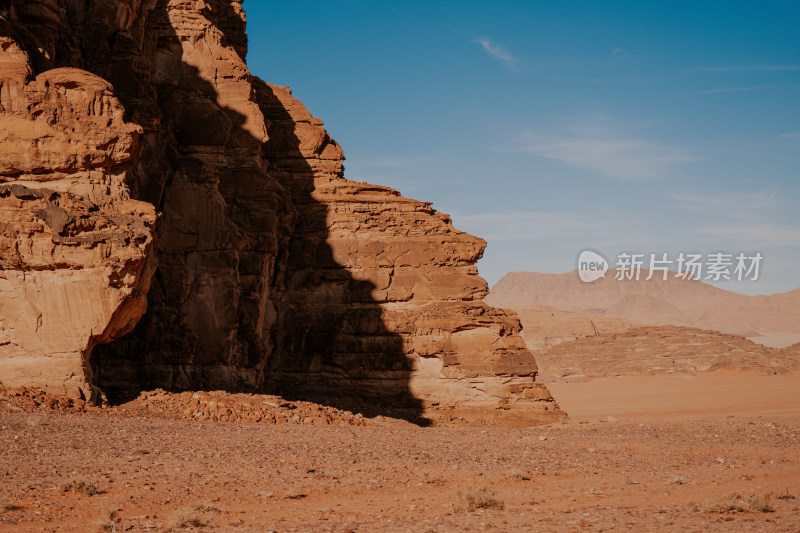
(269, 270)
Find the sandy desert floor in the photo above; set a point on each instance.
(709, 394)
(657, 453)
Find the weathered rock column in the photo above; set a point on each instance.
(76, 252)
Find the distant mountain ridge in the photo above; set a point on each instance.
(675, 302)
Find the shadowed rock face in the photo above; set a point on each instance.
(395, 286)
(275, 273)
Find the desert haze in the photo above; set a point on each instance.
(674, 301)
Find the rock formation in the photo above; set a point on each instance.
(408, 290)
(544, 327)
(275, 273)
(75, 250)
(675, 301)
(648, 350)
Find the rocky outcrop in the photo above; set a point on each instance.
(651, 350)
(76, 252)
(544, 327)
(275, 273)
(388, 277)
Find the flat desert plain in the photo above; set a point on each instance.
(713, 452)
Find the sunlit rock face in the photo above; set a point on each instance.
(76, 252)
(274, 272)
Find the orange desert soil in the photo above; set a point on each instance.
(648, 453)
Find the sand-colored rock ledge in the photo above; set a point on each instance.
(76, 252)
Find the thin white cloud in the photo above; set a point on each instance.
(734, 201)
(605, 152)
(604, 229)
(790, 67)
(515, 225)
(758, 236)
(388, 162)
(747, 219)
(497, 52)
(760, 216)
(618, 54)
(742, 89)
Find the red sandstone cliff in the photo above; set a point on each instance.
(274, 272)
(76, 253)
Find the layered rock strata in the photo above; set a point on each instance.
(75, 250)
(275, 273)
(394, 283)
(545, 326)
(652, 350)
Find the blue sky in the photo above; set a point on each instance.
(549, 127)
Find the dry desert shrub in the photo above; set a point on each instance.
(109, 521)
(479, 497)
(678, 480)
(294, 494)
(6, 505)
(79, 486)
(738, 503)
(197, 516)
(430, 479)
(518, 475)
(761, 503)
(786, 495)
